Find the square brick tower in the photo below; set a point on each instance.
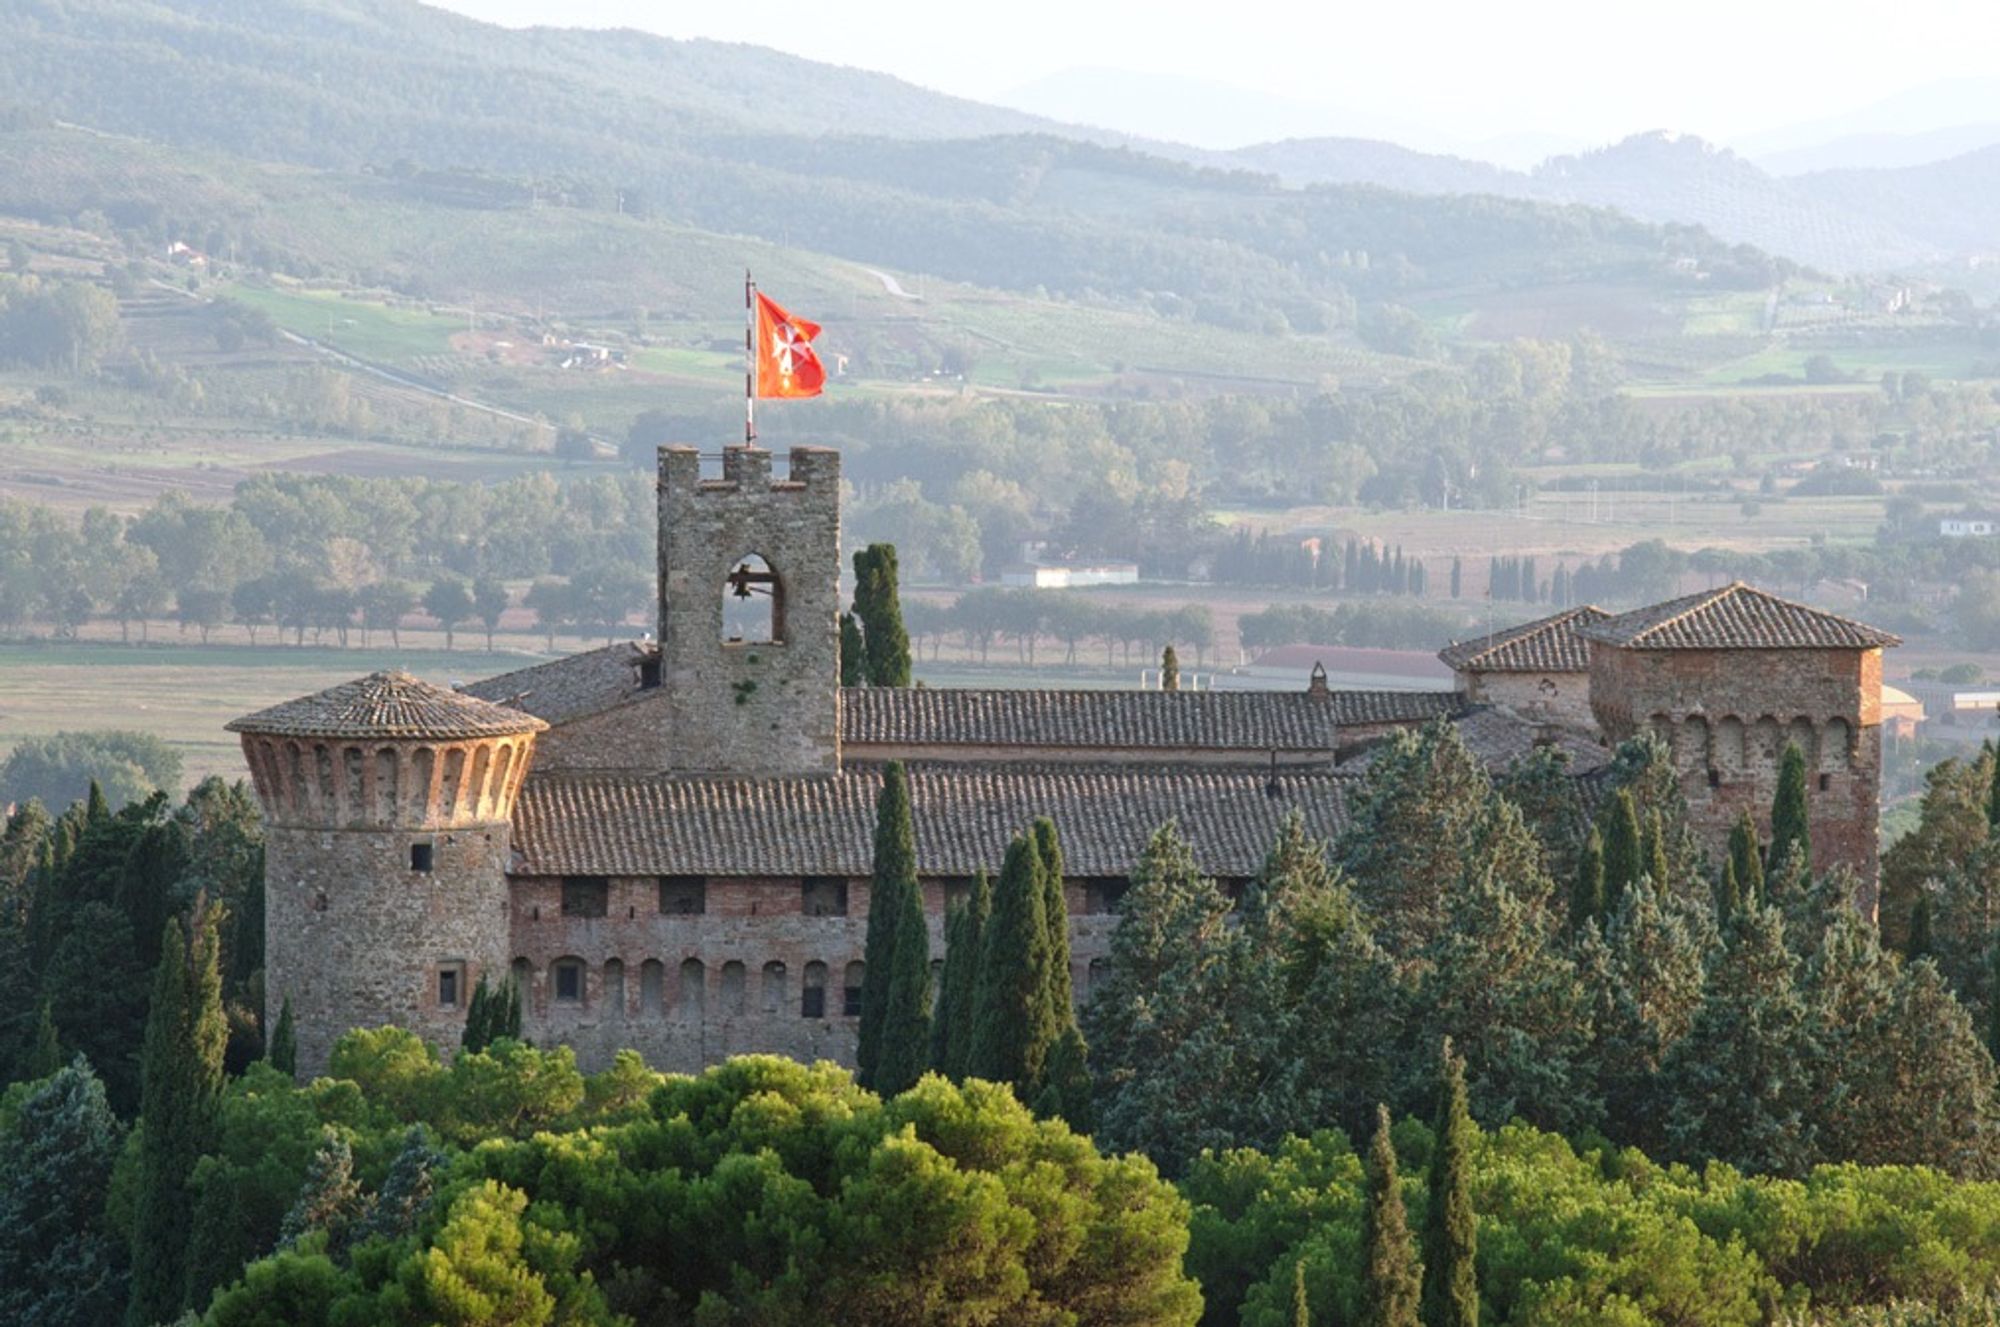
(1728, 678)
(750, 613)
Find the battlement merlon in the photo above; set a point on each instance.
(747, 469)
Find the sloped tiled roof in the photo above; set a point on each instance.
(964, 814)
(1546, 645)
(388, 704)
(1735, 617)
(572, 687)
(1113, 720)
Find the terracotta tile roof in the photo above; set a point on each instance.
(1114, 720)
(388, 704)
(571, 687)
(1546, 645)
(965, 814)
(1735, 617)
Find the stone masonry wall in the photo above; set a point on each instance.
(750, 707)
(1562, 698)
(355, 938)
(1728, 715)
(689, 990)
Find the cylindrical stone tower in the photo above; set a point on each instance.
(386, 808)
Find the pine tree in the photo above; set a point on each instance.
(961, 980)
(181, 1081)
(1451, 1227)
(1790, 816)
(878, 604)
(1011, 1024)
(1747, 855)
(1391, 1279)
(284, 1048)
(853, 652)
(1301, 1315)
(1586, 898)
(330, 1201)
(1055, 911)
(1623, 863)
(895, 878)
(62, 1255)
(906, 1022)
(407, 1190)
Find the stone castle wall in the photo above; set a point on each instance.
(687, 990)
(1728, 716)
(1561, 698)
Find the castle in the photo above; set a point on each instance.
(669, 844)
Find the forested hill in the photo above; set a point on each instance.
(737, 140)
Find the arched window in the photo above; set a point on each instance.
(614, 988)
(812, 995)
(652, 980)
(694, 988)
(850, 990)
(753, 603)
(774, 986)
(566, 981)
(734, 996)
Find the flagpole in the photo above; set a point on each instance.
(749, 361)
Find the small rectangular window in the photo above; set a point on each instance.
(421, 856)
(683, 895)
(850, 1001)
(1101, 893)
(812, 1002)
(1825, 782)
(448, 987)
(585, 896)
(1715, 778)
(649, 673)
(569, 982)
(823, 896)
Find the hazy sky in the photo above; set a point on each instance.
(1466, 69)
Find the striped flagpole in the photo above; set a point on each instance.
(749, 360)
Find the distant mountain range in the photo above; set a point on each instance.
(728, 135)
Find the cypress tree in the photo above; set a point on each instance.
(1790, 827)
(1170, 670)
(283, 1052)
(1391, 1280)
(1728, 893)
(1656, 849)
(1919, 944)
(905, 1038)
(1746, 855)
(1993, 800)
(895, 876)
(44, 1056)
(1457, 577)
(504, 1011)
(1011, 1027)
(1623, 864)
(181, 1082)
(961, 979)
(1993, 1001)
(477, 1033)
(1451, 1227)
(853, 653)
(886, 645)
(1586, 897)
(954, 959)
(1055, 911)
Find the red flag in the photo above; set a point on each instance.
(786, 364)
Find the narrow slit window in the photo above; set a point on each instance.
(422, 856)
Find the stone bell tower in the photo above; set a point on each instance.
(750, 612)
(386, 810)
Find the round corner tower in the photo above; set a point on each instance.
(387, 804)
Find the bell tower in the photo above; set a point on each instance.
(750, 612)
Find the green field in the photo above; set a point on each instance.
(366, 328)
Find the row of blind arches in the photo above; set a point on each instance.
(569, 987)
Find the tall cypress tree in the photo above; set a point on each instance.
(948, 979)
(1011, 1023)
(1790, 816)
(878, 603)
(906, 1024)
(1728, 892)
(1391, 1279)
(895, 877)
(283, 1051)
(962, 962)
(1055, 911)
(1656, 849)
(478, 1030)
(1451, 1227)
(1919, 943)
(853, 652)
(181, 1084)
(1623, 863)
(1586, 896)
(1747, 855)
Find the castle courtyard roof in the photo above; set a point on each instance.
(1547, 645)
(964, 815)
(389, 704)
(1735, 617)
